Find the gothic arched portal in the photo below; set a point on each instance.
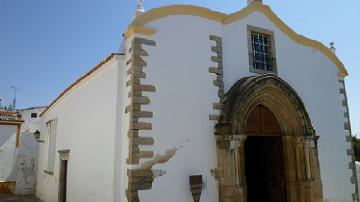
(256, 109)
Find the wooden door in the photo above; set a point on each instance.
(264, 160)
(262, 122)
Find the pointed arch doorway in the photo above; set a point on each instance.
(266, 144)
(264, 161)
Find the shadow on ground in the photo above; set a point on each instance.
(19, 198)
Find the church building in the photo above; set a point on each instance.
(203, 106)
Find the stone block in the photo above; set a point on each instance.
(143, 140)
(148, 42)
(218, 83)
(216, 59)
(216, 49)
(138, 74)
(147, 88)
(353, 179)
(132, 81)
(213, 117)
(347, 125)
(134, 93)
(216, 70)
(350, 152)
(137, 49)
(133, 107)
(132, 196)
(133, 133)
(145, 154)
(136, 60)
(140, 126)
(355, 197)
(141, 114)
(352, 166)
(134, 69)
(214, 38)
(218, 106)
(140, 100)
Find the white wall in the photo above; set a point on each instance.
(20, 164)
(178, 66)
(86, 126)
(26, 164)
(8, 159)
(31, 124)
(121, 138)
(6, 131)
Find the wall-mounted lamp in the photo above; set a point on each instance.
(37, 136)
(196, 185)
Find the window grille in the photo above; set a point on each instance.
(261, 52)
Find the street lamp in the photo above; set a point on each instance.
(37, 136)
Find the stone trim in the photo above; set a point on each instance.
(219, 72)
(137, 63)
(347, 128)
(301, 163)
(139, 179)
(64, 154)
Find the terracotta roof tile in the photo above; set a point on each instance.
(7, 113)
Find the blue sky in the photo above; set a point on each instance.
(46, 45)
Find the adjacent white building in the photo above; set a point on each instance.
(203, 106)
(31, 117)
(18, 155)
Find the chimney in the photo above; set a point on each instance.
(250, 1)
(332, 48)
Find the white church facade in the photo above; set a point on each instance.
(203, 106)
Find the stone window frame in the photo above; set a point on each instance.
(50, 144)
(251, 28)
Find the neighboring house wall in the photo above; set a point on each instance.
(7, 159)
(26, 164)
(185, 95)
(20, 164)
(31, 124)
(86, 126)
(6, 131)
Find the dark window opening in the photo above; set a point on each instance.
(33, 115)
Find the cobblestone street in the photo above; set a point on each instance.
(17, 198)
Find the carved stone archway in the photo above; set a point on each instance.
(301, 164)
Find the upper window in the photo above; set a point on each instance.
(33, 115)
(261, 50)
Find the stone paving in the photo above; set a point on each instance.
(18, 198)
